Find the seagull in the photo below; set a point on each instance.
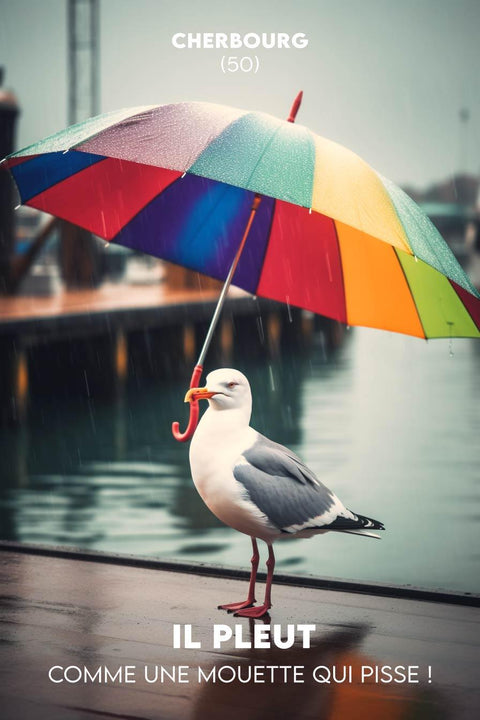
(257, 486)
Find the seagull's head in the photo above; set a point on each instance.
(226, 389)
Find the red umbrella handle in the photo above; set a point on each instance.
(194, 410)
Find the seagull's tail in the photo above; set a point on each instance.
(357, 525)
(368, 523)
(364, 533)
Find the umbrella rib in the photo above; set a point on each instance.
(95, 134)
(267, 243)
(57, 182)
(258, 161)
(410, 291)
(140, 210)
(453, 283)
(339, 250)
(262, 154)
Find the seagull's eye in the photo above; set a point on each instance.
(232, 385)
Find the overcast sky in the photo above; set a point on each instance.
(386, 78)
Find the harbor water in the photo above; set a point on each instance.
(389, 422)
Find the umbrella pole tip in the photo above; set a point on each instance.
(295, 107)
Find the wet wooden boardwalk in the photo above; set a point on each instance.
(60, 611)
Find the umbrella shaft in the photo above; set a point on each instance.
(221, 300)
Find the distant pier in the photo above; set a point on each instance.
(91, 341)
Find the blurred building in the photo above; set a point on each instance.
(454, 208)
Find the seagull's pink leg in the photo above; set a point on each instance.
(251, 588)
(261, 610)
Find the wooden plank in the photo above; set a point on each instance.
(59, 611)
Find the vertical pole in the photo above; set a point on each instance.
(189, 343)
(95, 58)
(8, 118)
(14, 381)
(274, 331)
(83, 59)
(121, 357)
(72, 74)
(226, 340)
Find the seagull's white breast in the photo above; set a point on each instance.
(216, 446)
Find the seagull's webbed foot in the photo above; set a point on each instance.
(253, 612)
(232, 607)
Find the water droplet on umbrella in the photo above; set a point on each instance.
(450, 340)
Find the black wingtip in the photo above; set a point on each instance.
(360, 522)
(370, 523)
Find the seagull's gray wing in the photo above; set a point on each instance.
(286, 490)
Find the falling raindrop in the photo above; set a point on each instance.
(65, 151)
(272, 379)
(309, 211)
(416, 259)
(92, 416)
(17, 207)
(86, 383)
(323, 346)
(183, 175)
(287, 300)
(107, 244)
(261, 331)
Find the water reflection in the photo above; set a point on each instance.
(390, 423)
(338, 653)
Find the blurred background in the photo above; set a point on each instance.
(96, 344)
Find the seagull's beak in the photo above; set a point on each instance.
(198, 394)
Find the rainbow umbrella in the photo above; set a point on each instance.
(261, 202)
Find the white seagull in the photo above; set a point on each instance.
(255, 485)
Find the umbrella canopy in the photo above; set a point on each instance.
(330, 235)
